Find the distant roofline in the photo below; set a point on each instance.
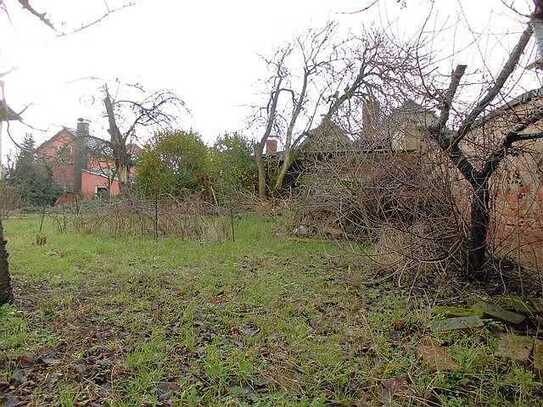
(64, 129)
(73, 133)
(524, 98)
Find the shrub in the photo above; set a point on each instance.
(400, 203)
(173, 163)
(233, 168)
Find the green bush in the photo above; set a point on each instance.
(173, 163)
(233, 168)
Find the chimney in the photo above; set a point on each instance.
(271, 146)
(80, 152)
(82, 127)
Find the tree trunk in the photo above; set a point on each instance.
(118, 145)
(287, 161)
(122, 174)
(6, 293)
(122, 162)
(262, 192)
(480, 219)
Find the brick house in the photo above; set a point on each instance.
(81, 165)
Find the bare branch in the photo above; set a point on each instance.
(41, 16)
(44, 18)
(447, 103)
(497, 86)
(98, 20)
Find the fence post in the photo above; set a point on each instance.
(156, 216)
(42, 219)
(232, 223)
(41, 240)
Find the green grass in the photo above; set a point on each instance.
(265, 320)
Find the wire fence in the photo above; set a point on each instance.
(191, 218)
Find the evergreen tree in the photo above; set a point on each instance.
(32, 177)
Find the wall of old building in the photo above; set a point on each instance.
(518, 210)
(60, 156)
(517, 185)
(91, 182)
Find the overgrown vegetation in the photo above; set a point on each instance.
(233, 169)
(264, 320)
(179, 164)
(169, 298)
(162, 216)
(402, 209)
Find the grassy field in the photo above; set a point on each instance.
(265, 320)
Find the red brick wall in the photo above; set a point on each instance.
(518, 228)
(63, 171)
(90, 182)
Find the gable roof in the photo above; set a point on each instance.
(94, 144)
(326, 137)
(524, 99)
(63, 131)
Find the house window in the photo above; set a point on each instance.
(102, 192)
(64, 154)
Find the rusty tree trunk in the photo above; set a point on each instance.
(6, 292)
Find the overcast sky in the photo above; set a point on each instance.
(205, 50)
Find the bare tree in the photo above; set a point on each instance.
(466, 158)
(315, 51)
(478, 170)
(338, 78)
(129, 109)
(378, 66)
(268, 114)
